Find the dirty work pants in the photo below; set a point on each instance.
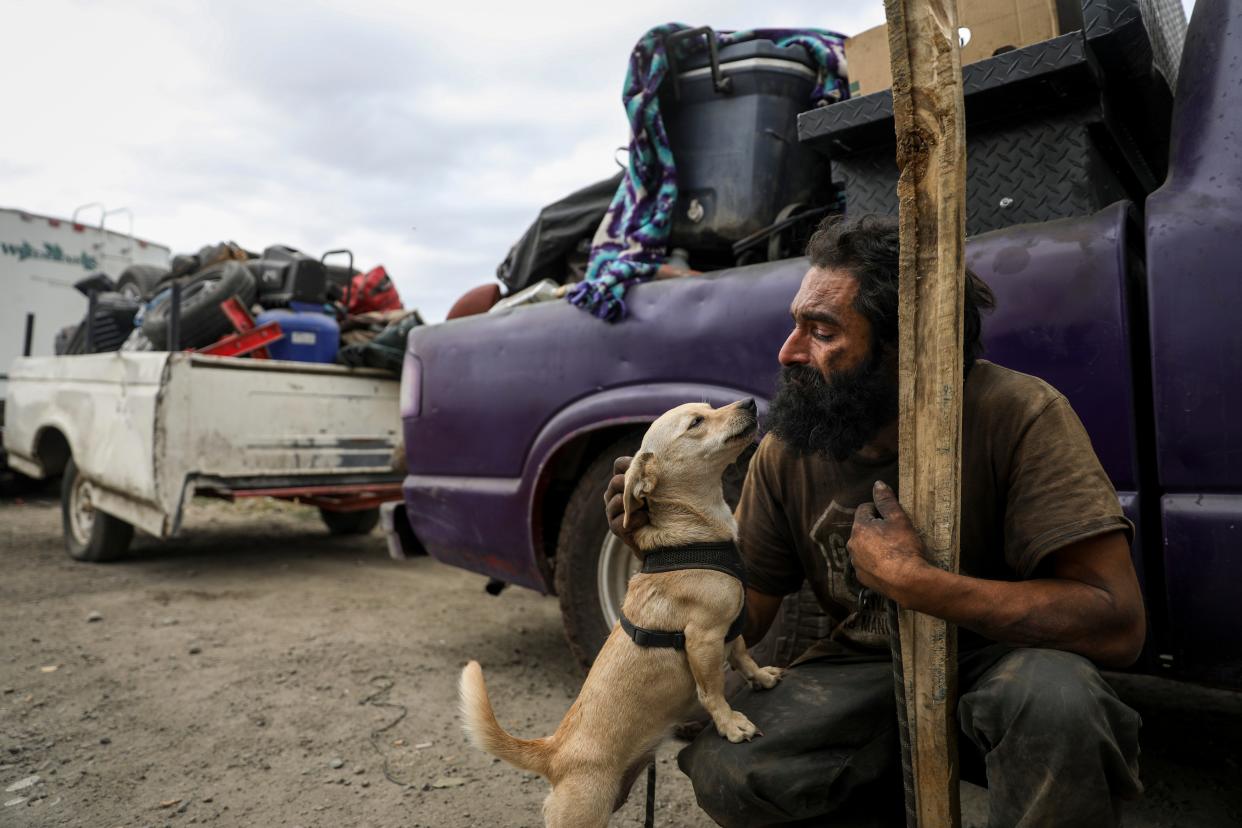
(1056, 744)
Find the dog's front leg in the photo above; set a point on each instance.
(705, 653)
(740, 660)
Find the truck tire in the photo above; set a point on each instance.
(360, 522)
(138, 281)
(202, 320)
(90, 535)
(592, 565)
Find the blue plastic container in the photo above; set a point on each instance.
(310, 334)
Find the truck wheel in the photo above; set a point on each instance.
(90, 535)
(593, 567)
(360, 522)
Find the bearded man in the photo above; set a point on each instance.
(1047, 591)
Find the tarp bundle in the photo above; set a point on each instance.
(545, 248)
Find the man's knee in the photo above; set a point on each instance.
(719, 772)
(1047, 695)
(830, 732)
(745, 785)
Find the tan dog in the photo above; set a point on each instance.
(634, 695)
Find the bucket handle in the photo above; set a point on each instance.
(722, 84)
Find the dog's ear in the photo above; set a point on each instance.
(640, 480)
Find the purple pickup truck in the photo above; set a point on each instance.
(1130, 304)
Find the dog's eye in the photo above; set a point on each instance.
(696, 422)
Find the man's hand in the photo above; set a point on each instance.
(1087, 599)
(884, 547)
(614, 506)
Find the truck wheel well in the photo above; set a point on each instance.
(557, 482)
(52, 451)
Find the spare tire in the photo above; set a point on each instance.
(202, 320)
(138, 281)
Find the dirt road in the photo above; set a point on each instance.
(235, 676)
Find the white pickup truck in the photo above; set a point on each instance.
(136, 434)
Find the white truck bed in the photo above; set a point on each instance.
(147, 429)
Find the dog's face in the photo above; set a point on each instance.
(687, 449)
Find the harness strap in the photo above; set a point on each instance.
(653, 638)
(644, 637)
(721, 556)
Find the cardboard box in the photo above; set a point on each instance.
(986, 26)
(867, 63)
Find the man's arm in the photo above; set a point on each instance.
(761, 610)
(1090, 604)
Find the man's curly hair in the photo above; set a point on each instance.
(867, 246)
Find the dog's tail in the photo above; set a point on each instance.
(485, 732)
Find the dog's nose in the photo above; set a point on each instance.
(747, 404)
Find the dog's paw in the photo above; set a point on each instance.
(766, 677)
(738, 728)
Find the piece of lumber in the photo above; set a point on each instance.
(931, 155)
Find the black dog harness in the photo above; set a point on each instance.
(721, 556)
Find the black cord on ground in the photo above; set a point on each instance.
(903, 720)
(649, 820)
(384, 685)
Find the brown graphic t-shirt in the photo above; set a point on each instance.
(1031, 484)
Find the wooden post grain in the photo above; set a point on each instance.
(931, 156)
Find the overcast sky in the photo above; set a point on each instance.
(423, 136)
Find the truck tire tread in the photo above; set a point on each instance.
(583, 530)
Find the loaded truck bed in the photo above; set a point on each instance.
(136, 434)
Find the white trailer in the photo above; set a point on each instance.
(40, 259)
(136, 434)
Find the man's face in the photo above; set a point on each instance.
(835, 391)
(829, 334)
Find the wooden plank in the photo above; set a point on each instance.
(931, 156)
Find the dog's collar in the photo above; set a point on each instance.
(722, 556)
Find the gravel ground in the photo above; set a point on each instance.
(258, 672)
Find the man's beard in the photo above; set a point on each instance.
(834, 417)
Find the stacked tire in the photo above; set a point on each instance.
(202, 320)
(140, 282)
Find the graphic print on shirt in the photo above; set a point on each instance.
(867, 624)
